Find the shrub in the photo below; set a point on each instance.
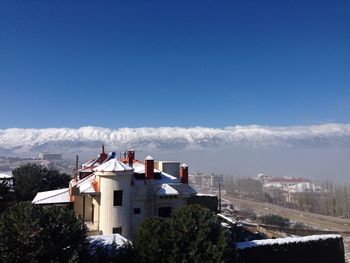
(274, 220)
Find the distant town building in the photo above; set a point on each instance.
(206, 182)
(216, 180)
(281, 182)
(262, 178)
(288, 188)
(115, 195)
(50, 156)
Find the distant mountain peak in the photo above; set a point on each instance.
(24, 141)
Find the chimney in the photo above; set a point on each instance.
(184, 174)
(149, 167)
(103, 155)
(76, 169)
(130, 157)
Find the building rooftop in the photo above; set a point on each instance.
(113, 165)
(166, 190)
(59, 196)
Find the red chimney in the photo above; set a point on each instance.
(184, 174)
(130, 157)
(149, 167)
(103, 155)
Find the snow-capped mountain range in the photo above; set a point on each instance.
(69, 140)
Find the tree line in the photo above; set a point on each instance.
(333, 199)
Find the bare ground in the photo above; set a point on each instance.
(322, 222)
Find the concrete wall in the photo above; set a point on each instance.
(144, 197)
(169, 167)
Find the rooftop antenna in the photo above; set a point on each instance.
(103, 148)
(125, 152)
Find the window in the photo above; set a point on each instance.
(164, 211)
(117, 230)
(118, 198)
(137, 211)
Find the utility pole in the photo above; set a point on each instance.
(219, 198)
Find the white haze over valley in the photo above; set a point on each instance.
(316, 151)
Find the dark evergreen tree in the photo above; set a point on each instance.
(198, 235)
(41, 234)
(192, 234)
(33, 178)
(154, 242)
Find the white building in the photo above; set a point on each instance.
(50, 156)
(114, 195)
(305, 187)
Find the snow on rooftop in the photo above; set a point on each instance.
(190, 190)
(88, 163)
(113, 165)
(286, 240)
(184, 165)
(166, 189)
(149, 158)
(5, 176)
(227, 219)
(166, 179)
(106, 241)
(52, 197)
(86, 185)
(140, 168)
(201, 194)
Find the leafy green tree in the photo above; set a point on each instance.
(33, 178)
(31, 233)
(192, 234)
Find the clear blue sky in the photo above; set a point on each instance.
(174, 63)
